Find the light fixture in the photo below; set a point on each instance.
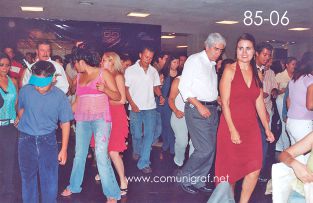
(167, 36)
(299, 28)
(86, 3)
(181, 46)
(32, 8)
(227, 22)
(138, 14)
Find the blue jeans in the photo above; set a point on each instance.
(296, 197)
(142, 144)
(101, 131)
(38, 155)
(167, 131)
(158, 127)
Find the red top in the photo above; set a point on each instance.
(16, 70)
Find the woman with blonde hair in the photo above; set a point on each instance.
(112, 62)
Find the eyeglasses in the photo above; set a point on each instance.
(4, 65)
(218, 49)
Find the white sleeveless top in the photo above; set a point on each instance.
(179, 102)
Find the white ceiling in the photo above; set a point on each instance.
(180, 16)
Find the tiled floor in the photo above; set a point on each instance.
(142, 192)
(139, 192)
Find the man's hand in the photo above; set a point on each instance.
(62, 157)
(162, 100)
(204, 111)
(135, 108)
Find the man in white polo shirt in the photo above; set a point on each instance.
(142, 84)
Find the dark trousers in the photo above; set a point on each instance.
(264, 143)
(203, 136)
(8, 157)
(38, 155)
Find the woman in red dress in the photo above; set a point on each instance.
(239, 147)
(119, 132)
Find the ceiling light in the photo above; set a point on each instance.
(167, 36)
(299, 28)
(138, 14)
(86, 3)
(182, 46)
(227, 22)
(32, 8)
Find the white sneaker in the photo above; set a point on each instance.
(97, 177)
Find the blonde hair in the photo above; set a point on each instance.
(114, 57)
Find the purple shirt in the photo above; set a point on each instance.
(297, 95)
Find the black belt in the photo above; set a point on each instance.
(211, 103)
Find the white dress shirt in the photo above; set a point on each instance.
(141, 85)
(61, 83)
(199, 78)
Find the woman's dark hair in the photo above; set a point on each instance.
(91, 58)
(167, 66)
(289, 59)
(57, 57)
(305, 67)
(5, 56)
(224, 63)
(249, 37)
(125, 57)
(44, 68)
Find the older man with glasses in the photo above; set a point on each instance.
(198, 86)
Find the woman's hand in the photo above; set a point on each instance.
(16, 121)
(235, 137)
(269, 135)
(302, 172)
(102, 87)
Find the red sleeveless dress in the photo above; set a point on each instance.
(237, 160)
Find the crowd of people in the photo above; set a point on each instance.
(213, 108)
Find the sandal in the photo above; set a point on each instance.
(124, 192)
(66, 193)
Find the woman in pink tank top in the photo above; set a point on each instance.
(92, 114)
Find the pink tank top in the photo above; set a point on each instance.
(92, 104)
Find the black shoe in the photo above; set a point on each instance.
(189, 189)
(205, 189)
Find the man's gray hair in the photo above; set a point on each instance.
(213, 39)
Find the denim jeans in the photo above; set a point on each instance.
(38, 155)
(167, 131)
(142, 144)
(101, 131)
(296, 197)
(158, 127)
